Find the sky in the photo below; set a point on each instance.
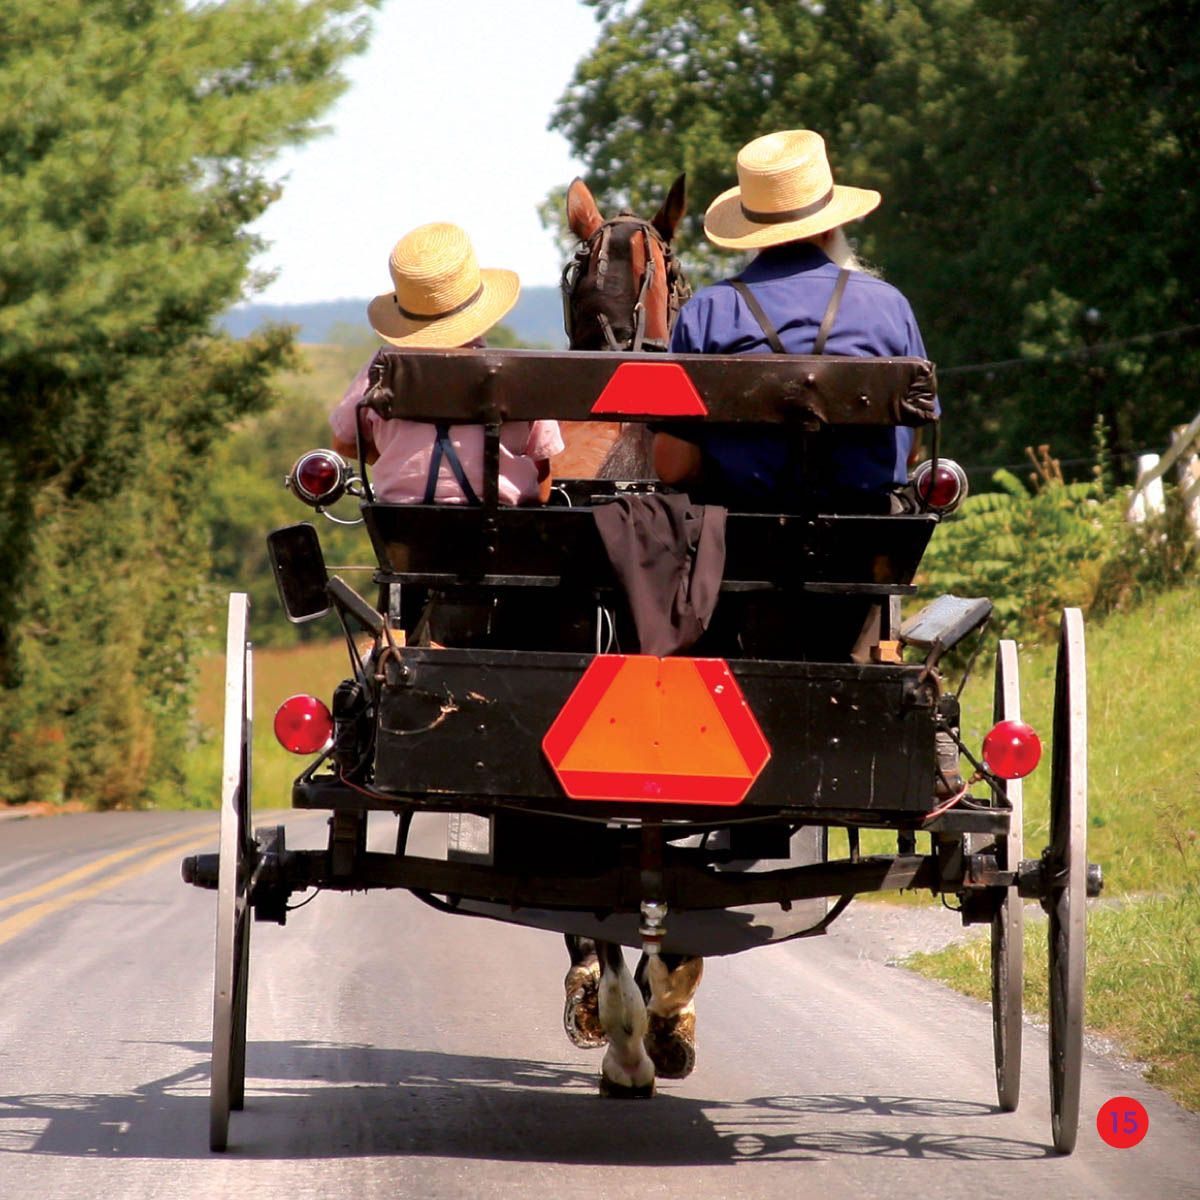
(444, 120)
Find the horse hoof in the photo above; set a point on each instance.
(581, 1013)
(671, 1043)
(625, 1091)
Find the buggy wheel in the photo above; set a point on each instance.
(1008, 924)
(1066, 877)
(237, 856)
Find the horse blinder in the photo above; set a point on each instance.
(678, 290)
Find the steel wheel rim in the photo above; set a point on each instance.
(1008, 925)
(231, 966)
(1007, 944)
(1067, 877)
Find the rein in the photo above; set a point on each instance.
(598, 247)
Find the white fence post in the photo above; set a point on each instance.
(1147, 497)
(1187, 469)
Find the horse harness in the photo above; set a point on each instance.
(598, 247)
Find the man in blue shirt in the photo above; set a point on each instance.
(812, 297)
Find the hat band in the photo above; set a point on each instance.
(791, 214)
(437, 316)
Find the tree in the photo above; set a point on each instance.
(134, 138)
(1034, 161)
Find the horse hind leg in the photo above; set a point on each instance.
(631, 455)
(581, 1010)
(671, 1012)
(627, 1070)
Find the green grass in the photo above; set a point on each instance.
(314, 667)
(1143, 727)
(1143, 982)
(1143, 941)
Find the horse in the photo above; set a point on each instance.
(622, 291)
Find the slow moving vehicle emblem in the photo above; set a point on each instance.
(659, 730)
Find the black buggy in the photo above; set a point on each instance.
(677, 804)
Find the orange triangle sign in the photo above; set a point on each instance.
(664, 730)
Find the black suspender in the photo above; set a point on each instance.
(761, 317)
(831, 311)
(798, 457)
(443, 447)
(772, 335)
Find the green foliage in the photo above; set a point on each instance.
(246, 498)
(1033, 550)
(1033, 161)
(133, 139)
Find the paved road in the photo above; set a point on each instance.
(399, 1052)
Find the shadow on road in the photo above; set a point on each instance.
(322, 1100)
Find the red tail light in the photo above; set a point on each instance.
(319, 477)
(303, 725)
(942, 488)
(1012, 750)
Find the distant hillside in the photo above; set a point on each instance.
(536, 319)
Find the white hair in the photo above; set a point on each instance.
(837, 246)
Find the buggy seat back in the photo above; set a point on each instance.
(535, 545)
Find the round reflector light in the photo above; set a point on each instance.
(303, 725)
(943, 487)
(1012, 749)
(319, 477)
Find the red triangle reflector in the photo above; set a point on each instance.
(657, 389)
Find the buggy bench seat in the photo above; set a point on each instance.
(535, 545)
(541, 547)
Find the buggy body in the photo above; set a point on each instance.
(677, 804)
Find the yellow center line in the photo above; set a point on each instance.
(14, 925)
(61, 881)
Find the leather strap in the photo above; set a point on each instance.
(443, 447)
(831, 311)
(761, 317)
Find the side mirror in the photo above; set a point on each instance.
(299, 569)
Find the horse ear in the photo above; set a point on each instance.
(667, 219)
(582, 214)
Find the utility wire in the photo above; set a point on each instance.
(1062, 462)
(1068, 355)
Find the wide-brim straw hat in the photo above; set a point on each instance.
(441, 297)
(785, 193)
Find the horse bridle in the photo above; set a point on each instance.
(597, 246)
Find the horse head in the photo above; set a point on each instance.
(624, 287)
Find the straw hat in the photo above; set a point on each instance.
(441, 296)
(785, 192)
